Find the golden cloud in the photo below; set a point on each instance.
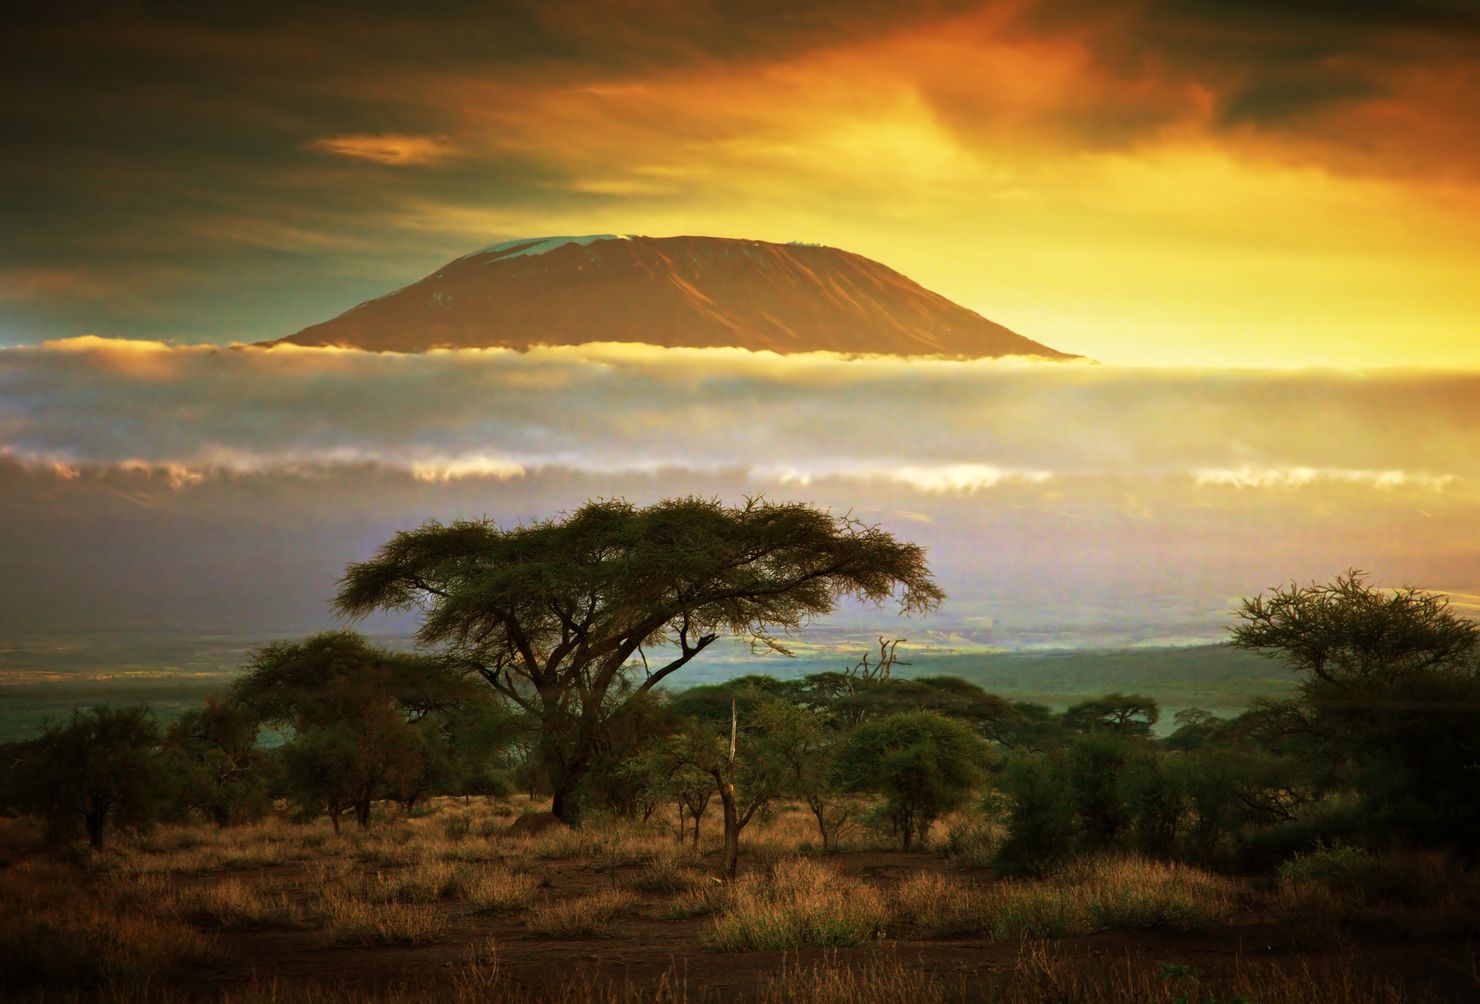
(392, 149)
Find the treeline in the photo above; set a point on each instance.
(546, 657)
(1379, 747)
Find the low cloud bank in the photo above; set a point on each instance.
(941, 427)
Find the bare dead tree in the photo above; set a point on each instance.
(864, 673)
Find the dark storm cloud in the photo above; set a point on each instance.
(1271, 62)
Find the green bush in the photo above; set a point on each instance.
(1040, 829)
(923, 763)
(1336, 866)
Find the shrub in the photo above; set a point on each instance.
(923, 763)
(1340, 867)
(1334, 822)
(1040, 830)
(1136, 892)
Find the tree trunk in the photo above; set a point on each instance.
(565, 767)
(731, 861)
(95, 821)
(565, 806)
(820, 814)
(727, 799)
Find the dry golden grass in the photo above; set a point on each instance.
(1138, 892)
(1045, 972)
(55, 930)
(421, 882)
(940, 904)
(1092, 895)
(494, 889)
(1040, 973)
(587, 916)
(704, 900)
(236, 905)
(669, 873)
(799, 904)
(350, 920)
(120, 923)
(881, 979)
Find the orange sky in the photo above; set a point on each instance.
(1161, 182)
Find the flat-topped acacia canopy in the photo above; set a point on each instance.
(549, 613)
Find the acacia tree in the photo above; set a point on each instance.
(1349, 634)
(1390, 693)
(98, 771)
(1126, 714)
(368, 722)
(550, 613)
(220, 770)
(741, 762)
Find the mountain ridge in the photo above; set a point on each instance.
(688, 291)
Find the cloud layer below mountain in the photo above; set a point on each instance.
(149, 484)
(935, 425)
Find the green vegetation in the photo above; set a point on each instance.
(1356, 792)
(552, 614)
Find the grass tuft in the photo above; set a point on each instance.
(588, 916)
(799, 904)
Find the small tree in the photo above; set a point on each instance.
(923, 763)
(745, 773)
(551, 613)
(1041, 827)
(803, 744)
(368, 722)
(98, 772)
(1096, 761)
(217, 765)
(1125, 714)
(1154, 785)
(1389, 694)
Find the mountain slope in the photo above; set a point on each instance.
(669, 291)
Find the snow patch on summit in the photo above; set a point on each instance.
(541, 245)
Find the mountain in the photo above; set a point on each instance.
(670, 291)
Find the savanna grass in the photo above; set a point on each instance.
(798, 904)
(586, 916)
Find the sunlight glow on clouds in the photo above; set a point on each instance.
(391, 149)
(935, 426)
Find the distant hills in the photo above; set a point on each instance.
(701, 292)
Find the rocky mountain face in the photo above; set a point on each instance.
(669, 291)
